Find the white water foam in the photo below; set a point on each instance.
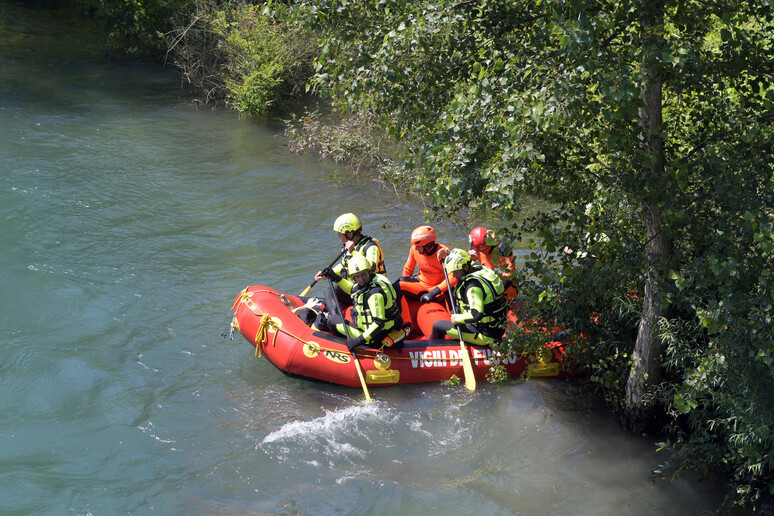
(327, 425)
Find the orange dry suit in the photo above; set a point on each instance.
(430, 273)
(501, 260)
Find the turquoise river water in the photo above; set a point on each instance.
(129, 221)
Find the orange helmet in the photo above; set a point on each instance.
(477, 238)
(423, 235)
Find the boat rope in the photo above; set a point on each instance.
(261, 336)
(267, 324)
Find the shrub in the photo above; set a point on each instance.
(240, 55)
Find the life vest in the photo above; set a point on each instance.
(495, 318)
(363, 245)
(378, 285)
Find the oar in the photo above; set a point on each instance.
(354, 356)
(307, 289)
(467, 366)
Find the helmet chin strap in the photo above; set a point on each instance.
(433, 248)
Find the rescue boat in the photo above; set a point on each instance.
(272, 322)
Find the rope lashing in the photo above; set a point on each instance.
(262, 335)
(267, 324)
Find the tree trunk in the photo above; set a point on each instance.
(646, 366)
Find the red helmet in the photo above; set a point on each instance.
(477, 238)
(423, 235)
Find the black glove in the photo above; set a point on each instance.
(353, 343)
(321, 322)
(426, 298)
(330, 273)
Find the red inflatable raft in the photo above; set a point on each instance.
(270, 321)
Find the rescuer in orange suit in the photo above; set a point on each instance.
(426, 255)
(495, 255)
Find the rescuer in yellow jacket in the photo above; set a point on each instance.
(353, 243)
(376, 315)
(480, 295)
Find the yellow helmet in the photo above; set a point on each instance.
(347, 222)
(358, 263)
(457, 260)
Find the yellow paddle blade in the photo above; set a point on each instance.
(467, 367)
(362, 379)
(306, 291)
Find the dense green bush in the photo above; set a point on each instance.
(257, 57)
(237, 53)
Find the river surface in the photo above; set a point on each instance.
(129, 221)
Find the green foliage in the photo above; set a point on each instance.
(237, 53)
(454, 381)
(497, 374)
(254, 64)
(723, 412)
(650, 125)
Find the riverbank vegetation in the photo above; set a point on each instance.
(235, 53)
(647, 125)
(353, 140)
(650, 126)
